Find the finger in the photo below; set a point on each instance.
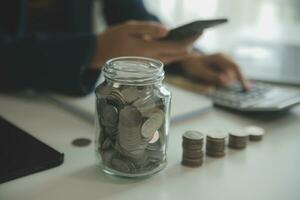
(203, 72)
(210, 76)
(239, 75)
(224, 80)
(223, 63)
(229, 73)
(148, 29)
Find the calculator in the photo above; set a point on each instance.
(261, 97)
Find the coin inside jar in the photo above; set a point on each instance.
(130, 116)
(154, 138)
(145, 105)
(130, 94)
(110, 115)
(151, 125)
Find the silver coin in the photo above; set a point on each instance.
(101, 102)
(112, 131)
(155, 137)
(81, 142)
(131, 140)
(102, 90)
(101, 135)
(140, 162)
(122, 165)
(217, 134)
(137, 153)
(145, 105)
(107, 144)
(193, 135)
(156, 155)
(157, 146)
(151, 125)
(109, 115)
(116, 85)
(129, 134)
(255, 130)
(147, 112)
(116, 98)
(107, 156)
(130, 94)
(130, 117)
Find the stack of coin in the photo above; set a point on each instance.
(215, 143)
(238, 139)
(255, 133)
(192, 145)
(132, 128)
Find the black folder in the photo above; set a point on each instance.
(21, 154)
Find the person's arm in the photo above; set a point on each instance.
(48, 62)
(118, 11)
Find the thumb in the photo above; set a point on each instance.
(148, 29)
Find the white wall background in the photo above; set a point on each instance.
(173, 12)
(264, 19)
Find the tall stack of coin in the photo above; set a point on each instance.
(255, 133)
(192, 145)
(238, 139)
(132, 128)
(215, 143)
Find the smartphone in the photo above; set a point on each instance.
(192, 29)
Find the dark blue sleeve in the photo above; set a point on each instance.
(118, 11)
(57, 62)
(47, 62)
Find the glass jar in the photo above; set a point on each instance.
(132, 117)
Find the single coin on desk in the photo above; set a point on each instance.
(81, 142)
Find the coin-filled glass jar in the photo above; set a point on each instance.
(132, 117)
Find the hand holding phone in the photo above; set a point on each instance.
(192, 29)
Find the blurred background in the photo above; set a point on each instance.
(258, 32)
(268, 20)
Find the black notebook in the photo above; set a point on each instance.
(21, 154)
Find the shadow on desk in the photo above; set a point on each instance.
(94, 173)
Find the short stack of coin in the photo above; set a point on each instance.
(215, 143)
(238, 139)
(192, 145)
(255, 133)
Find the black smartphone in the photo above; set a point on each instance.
(192, 29)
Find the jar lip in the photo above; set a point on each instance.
(134, 70)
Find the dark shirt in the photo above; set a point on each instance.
(47, 44)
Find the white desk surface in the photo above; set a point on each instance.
(269, 169)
